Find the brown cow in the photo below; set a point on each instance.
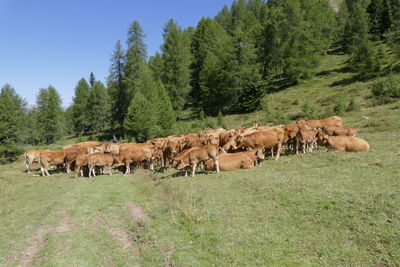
(334, 121)
(199, 155)
(100, 159)
(71, 154)
(308, 139)
(80, 161)
(32, 156)
(138, 154)
(47, 158)
(233, 161)
(342, 143)
(266, 139)
(336, 131)
(83, 144)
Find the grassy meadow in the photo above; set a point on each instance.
(319, 209)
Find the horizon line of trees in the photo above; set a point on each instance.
(223, 65)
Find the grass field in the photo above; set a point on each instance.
(320, 209)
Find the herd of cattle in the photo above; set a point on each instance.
(212, 149)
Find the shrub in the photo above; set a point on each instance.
(220, 118)
(339, 107)
(209, 122)
(353, 106)
(9, 153)
(307, 111)
(386, 88)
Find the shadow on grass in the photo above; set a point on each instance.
(344, 82)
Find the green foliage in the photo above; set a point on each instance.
(176, 59)
(156, 65)
(220, 118)
(9, 153)
(340, 106)
(50, 115)
(135, 57)
(386, 88)
(78, 107)
(308, 112)
(12, 111)
(97, 109)
(117, 91)
(150, 113)
(202, 115)
(353, 106)
(92, 79)
(141, 119)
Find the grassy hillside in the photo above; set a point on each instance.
(325, 208)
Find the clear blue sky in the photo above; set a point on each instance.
(58, 42)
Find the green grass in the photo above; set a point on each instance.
(325, 208)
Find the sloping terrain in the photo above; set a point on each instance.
(324, 208)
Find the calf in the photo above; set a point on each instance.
(80, 161)
(137, 154)
(99, 159)
(199, 155)
(32, 156)
(47, 158)
(342, 143)
(308, 139)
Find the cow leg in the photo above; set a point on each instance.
(216, 164)
(297, 146)
(94, 171)
(27, 165)
(194, 165)
(278, 152)
(77, 171)
(272, 152)
(90, 170)
(127, 168)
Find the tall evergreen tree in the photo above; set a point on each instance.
(362, 57)
(12, 111)
(150, 113)
(212, 71)
(92, 79)
(394, 31)
(156, 65)
(117, 88)
(379, 17)
(97, 108)
(135, 56)
(176, 62)
(78, 108)
(50, 114)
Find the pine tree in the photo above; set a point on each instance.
(212, 69)
(79, 107)
(379, 17)
(12, 112)
(362, 57)
(394, 31)
(176, 62)
(50, 114)
(119, 101)
(92, 79)
(135, 56)
(97, 108)
(141, 119)
(156, 66)
(166, 114)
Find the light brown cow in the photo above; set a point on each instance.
(47, 158)
(32, 156)
(308, 139)
(267, 139)
(83, 144)
(199, 155)
(336, 131)
(80, 161)
(100, 159)
(71, 154)
(334, 121)
(137, 154)
(234, 161)
(342, 143)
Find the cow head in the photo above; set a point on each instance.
(231, 144)
(322, 138)
(181, 165)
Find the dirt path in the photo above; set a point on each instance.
(137, 213)
(38, 242)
